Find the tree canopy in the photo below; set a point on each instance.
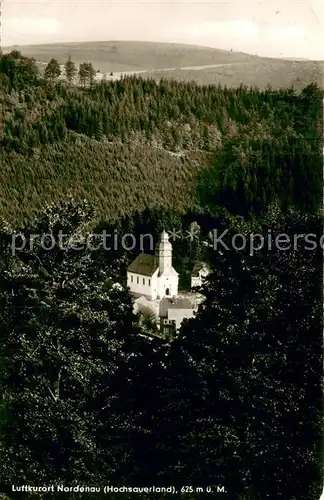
(88, 394)
(234, 401)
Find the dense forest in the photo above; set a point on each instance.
(134, 144)
(234, 402)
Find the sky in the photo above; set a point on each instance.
(270, 28)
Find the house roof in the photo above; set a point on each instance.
(177, 303)
(198, 267)
(144, 264)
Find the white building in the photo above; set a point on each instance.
(200, 271)
(174, 311)
(153, 276)
(153, 282)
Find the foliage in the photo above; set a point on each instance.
(52, 70)
(87, 396)
(153, 145)
(17, 71)
(67, 332)
(70, 70)
(86, 74)
(256, 347)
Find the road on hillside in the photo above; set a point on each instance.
(161, 70)
(118, 74)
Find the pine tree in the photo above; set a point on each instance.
(87, 74)
(70, 70)
(52, 70)
(99, 131)
(91, 73)
(83, 74)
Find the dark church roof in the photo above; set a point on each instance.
(144, 264)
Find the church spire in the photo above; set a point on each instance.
(163, 253)
(164, 236)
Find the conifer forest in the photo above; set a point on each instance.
(231, 406)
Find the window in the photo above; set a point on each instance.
(131, 278)
(137, 280)
(143, 281)
(149, 282)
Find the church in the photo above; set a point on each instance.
(153, 282)
(153, 276)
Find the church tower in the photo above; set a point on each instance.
(167, 277)
(163, 254)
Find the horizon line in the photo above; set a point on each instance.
(292, 58)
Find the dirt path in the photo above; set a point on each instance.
(118, 74)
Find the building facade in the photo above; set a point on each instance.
(200, 271)
(153, 276)
(153, 282)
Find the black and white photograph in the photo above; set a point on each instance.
(161, 249)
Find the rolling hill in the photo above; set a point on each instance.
(182, 62)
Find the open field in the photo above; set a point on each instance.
(182, 62)
(259, 73)
(132, 56)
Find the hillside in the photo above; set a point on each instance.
(258, 72)
(90, 395)
(127, 56)
(132, 144)
(119, 180)
(182, 62)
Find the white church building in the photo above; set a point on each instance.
(153, 276)
(153, 282)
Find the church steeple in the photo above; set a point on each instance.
(163, 253)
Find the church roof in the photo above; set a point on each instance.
(176, 303)
(144, 264)
(164, 236)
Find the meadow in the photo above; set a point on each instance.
(152, 58)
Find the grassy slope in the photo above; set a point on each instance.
(124, 56)
(259, 73)
(119, 56)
